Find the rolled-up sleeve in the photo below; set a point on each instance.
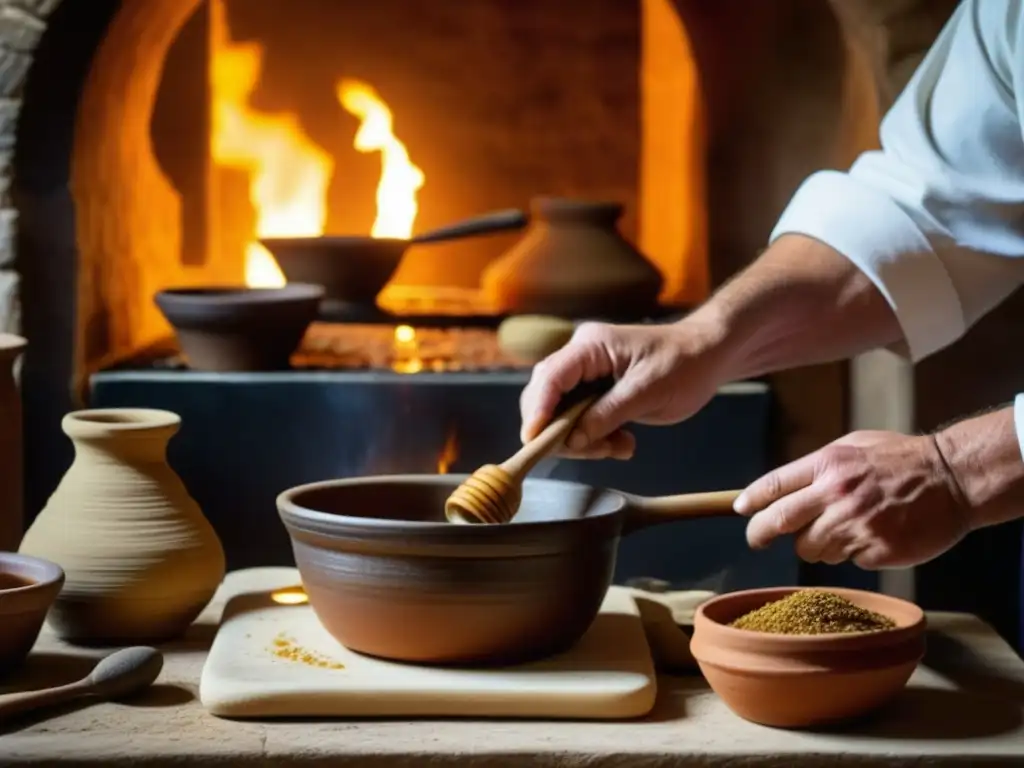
(936, 216)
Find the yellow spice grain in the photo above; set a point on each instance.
(813, 612)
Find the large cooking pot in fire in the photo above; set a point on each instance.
(354, 268)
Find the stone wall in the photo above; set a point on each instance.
(22, 23)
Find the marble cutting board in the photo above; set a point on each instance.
(249, 673)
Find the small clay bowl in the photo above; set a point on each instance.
(28, 588)
(240, 329)
(805, 681)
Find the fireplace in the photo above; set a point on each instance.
(157, 141)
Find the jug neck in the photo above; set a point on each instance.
(562, 210)
(130, 434)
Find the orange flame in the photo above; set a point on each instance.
(400, 179)
(449, 454)
(289, 173)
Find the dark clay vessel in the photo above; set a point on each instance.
(354, 269)
(388, 576)
(573, 262)
(240, 329)
(28, 588)
(801, 681)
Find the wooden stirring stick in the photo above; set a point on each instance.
(494, 492)
(120, 674)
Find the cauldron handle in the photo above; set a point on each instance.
(642, 512)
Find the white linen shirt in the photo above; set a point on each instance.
(936, 216)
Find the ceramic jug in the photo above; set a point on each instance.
(141, 560)
(11, 500)
(573, 262)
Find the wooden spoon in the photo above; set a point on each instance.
(493, 493)
(116, 676)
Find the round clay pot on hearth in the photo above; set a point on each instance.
(141, 561)
(240, 329)
(573, 262)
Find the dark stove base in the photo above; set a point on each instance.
(247, 437)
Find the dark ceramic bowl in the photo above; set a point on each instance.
(803, 681)
(238, 328)
(388, 576)
(351, 269)
(28, 588)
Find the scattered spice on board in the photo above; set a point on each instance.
(286, 648)
(812, 612)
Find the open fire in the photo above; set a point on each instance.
(289, 174)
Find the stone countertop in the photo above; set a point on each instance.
(964, 706)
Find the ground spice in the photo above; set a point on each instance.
(813, 612)
(286, 648)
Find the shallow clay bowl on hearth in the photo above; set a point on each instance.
(28, 588)
(389, 576)
(238, 328)
(805, 681)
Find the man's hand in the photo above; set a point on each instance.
(663, 374)
(880, 499)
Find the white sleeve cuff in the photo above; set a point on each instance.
(882, 240)
(1018, 421)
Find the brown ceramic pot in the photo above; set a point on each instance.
(573, 262)
(11, 521)
(354, 269)
(28, 587)
(801, 681)
(388, 576)
(140, 558)
(240, 329)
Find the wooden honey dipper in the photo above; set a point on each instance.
(494, 492)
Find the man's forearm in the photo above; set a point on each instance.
(799, 303)
(984, 458)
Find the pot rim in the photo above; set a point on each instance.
(100, 422)
(769, 642)
(18, 564)
(239, 295)
(305, 518)
(47, 579)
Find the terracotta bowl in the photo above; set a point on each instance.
(240, 329)
(804, 681)
(28, 588)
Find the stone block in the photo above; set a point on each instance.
(20, 29)
(10, 304)
(8, 234)
(9, 111)
(14, 67)
(38, 8)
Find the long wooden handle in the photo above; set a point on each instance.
(643, 512)
(551, 438)
(507, 220)
(13, 704)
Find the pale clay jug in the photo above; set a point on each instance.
(141, 560)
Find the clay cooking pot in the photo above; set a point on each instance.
(238, 328)
(573, 262)
(388, 576)
(28, 587)
(799, 681)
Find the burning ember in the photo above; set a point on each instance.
(290, 174)
(290, 596)
(449, 454)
